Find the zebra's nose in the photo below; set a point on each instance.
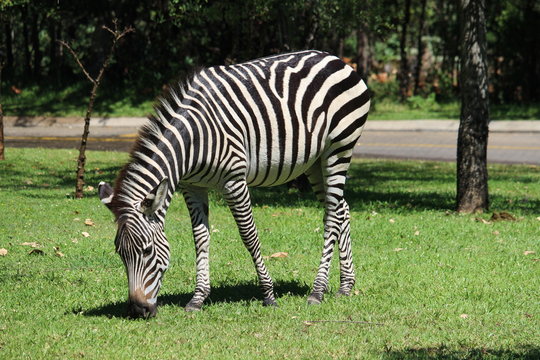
(140, 307)
(142, 310)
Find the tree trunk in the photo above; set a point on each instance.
(35, 46)
(420, 43)
(2, 157)
(404, 63)
(27, 54)
(9, 47)
(362, 52)
(472, 176)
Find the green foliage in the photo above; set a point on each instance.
(422, 102)
(440, 285)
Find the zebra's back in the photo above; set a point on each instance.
(273, 117)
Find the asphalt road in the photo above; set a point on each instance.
(505, 146)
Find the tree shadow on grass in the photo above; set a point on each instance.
(528, 352)
(220, 294)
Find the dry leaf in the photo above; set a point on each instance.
(28, 182)
(495, 232)
(416, 233)
(538, 218)
(3, 252)
(32, 244)
(89, 188)
(529, 252)
(85, 234)
(463, 316)
(392, 221)
(59, 254)
(317, 229)
(399, 249)
(89, 222)
(280, 254)
(308, 323)
(356, 292)
(36, 252)
(76, 219)
(74, 241)
(484, 221)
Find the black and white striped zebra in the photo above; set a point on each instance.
(260, 123)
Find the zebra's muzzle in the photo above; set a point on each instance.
(142, 310)
(139, 307)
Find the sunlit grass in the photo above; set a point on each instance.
(430, 283)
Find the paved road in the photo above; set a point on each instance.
(509, 142)
(512, 148)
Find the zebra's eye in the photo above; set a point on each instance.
(147, 250)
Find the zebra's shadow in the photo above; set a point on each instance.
(242, 292)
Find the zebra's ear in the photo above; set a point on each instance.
(106, 193)
(156, 198)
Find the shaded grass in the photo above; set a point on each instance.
(50, 99)
(420, 267)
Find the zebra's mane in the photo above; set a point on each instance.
(148, 137)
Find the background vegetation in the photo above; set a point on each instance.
(414, 40)
(431, 283)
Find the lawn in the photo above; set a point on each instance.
(430, 283)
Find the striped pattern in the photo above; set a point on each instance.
(260, 123)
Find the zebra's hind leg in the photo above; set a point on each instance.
(236, 194)
(320, 284)
(197, 203)
(328, 180)
(346, 267)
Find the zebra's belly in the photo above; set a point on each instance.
(273, 173)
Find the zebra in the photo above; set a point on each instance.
(258, 123)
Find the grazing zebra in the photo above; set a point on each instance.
(260, 123)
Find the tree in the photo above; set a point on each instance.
(81, 160)
(2, 157)
(472, 175)
(404, 61)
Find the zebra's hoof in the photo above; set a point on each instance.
(343, 293)
(192, 306)
(270, 302)
(314, 299)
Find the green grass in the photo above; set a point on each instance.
(71, 100)
(422, 109)
(420, 267)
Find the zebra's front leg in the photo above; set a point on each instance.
(236, 194)
(197, 203)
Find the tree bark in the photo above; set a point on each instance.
(362, 52)
(2, 156)
(404, 62)
(420, 43)
(27, 53)
(472, 175)
(9, 47)
(35, 46)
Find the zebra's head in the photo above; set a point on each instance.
(141, 243)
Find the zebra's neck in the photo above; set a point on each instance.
(158, 154)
